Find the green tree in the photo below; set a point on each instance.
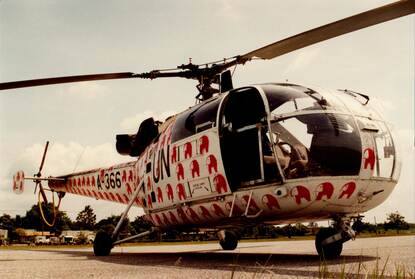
(6, 222)
(396, 221)
(140, 224)
(108, 225)
(34, 220)
(86, 219)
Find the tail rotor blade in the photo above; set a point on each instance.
(43, 158)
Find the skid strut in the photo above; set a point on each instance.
(121, 221)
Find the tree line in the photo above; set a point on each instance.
(86, 220)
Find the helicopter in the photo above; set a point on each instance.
(273, 153)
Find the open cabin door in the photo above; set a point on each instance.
(244, 140)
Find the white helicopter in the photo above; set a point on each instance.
(272, 153)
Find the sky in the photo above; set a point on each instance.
(56, 38)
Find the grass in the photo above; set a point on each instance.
(376, 272)
(324, 271)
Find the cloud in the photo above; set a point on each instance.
(65, 158)
(303, 58)
(382, 105)
(130, 124)
(228, 10)
(86, 90)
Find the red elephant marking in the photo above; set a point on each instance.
(169, 191)
(124, 176)
(106, 196)
(204, 212)
(325, 189)
(88, 183)
(252, 203)
(158, 220)
(173, 218)
(180, 171)
(149, 201)
(131, 176)
(93, 181)
(203, 145)
(217, 210)
(193, 214)
(348, 190)
(220, 184)
(212, 164)
(79, 182)
(181, 193)
(101, 174)
(83, 180)
(165, 219)
(119, 198)
(129, 190)
(174, 154)
(182, 215)
(159, 195)
(126, 198)
(270, 201)
(112, 196)
(369, 158)
(300, 192)
(194, 167)
(100, 195)
(149, 183)
(188, 150)
(235, 211)
(139, 201)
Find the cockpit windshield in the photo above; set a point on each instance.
(318, 144)
(311, 136)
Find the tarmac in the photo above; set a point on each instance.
(271, 259)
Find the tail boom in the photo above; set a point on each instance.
(116, 183)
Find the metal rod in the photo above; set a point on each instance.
(44, 178)
(124, 214)
(248, 203)
(233, 203)
(133, 237)
(261, 155)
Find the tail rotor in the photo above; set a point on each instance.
(18, 188)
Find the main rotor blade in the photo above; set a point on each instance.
(67, 79)
(331, 30)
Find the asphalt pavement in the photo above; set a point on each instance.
(271, 259)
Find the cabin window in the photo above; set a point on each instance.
(196, 120)
(385, 150)
(317, 144)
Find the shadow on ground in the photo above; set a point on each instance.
(255, 263)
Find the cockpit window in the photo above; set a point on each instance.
(291, 98)
(318, 144)
(195, 120)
